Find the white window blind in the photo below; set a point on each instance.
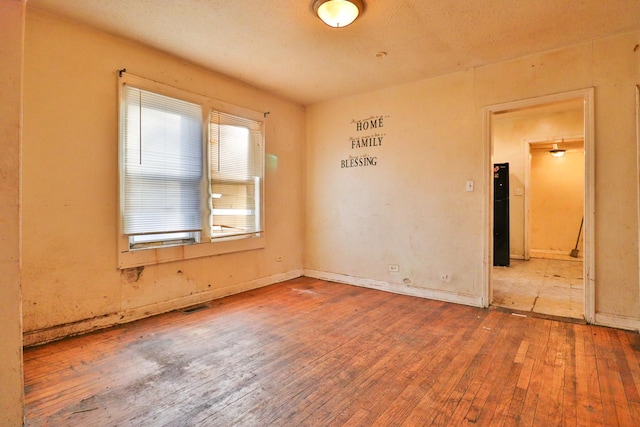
(162, 141)
(236, 155)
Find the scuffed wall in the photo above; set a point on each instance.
(71, 280)
(12, 21)
(411, 209)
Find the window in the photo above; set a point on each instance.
(191, 175)
(235, 148)
(162, 168)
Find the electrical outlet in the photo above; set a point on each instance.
(279, 258)
(445, 277)
(394, 268)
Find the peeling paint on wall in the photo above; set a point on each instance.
(130, 275)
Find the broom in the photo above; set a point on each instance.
(574, 251)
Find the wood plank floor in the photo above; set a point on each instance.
(313, 353)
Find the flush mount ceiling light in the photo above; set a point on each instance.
(556, 152)
(338, 13)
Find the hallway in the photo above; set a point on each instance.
(545, 286)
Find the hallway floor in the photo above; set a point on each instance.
(545, 286)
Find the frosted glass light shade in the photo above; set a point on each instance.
(556, 152)
(338, 13)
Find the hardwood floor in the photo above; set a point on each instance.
(313, 353)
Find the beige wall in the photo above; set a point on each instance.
(511, 133)
(557, 189)
(412, 209)
(71, 281)
(12, 15)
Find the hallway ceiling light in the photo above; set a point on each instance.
(338, 13)
(556, 152)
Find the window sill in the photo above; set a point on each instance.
(151, 256)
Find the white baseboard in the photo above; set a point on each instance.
(398, 288)
(617, 321)
(42, 336)
(561, 255)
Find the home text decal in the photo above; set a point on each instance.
(371, 138)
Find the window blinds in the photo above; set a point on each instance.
(162, 139)
(236, 163)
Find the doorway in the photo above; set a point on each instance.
(550, 204)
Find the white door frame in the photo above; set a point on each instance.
(638, 163)
(589, 197)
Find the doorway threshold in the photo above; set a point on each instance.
(523, 313)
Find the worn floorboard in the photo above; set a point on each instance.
(313, 353)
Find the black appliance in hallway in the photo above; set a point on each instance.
(501, 247)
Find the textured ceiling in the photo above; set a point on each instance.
(280, 46)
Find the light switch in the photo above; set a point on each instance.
(469, 186)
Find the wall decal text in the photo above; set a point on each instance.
(370, 140)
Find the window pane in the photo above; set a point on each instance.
(162, 163)
(236, 164)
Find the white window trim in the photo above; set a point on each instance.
(128, 258)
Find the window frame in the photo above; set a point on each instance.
(145, 255)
